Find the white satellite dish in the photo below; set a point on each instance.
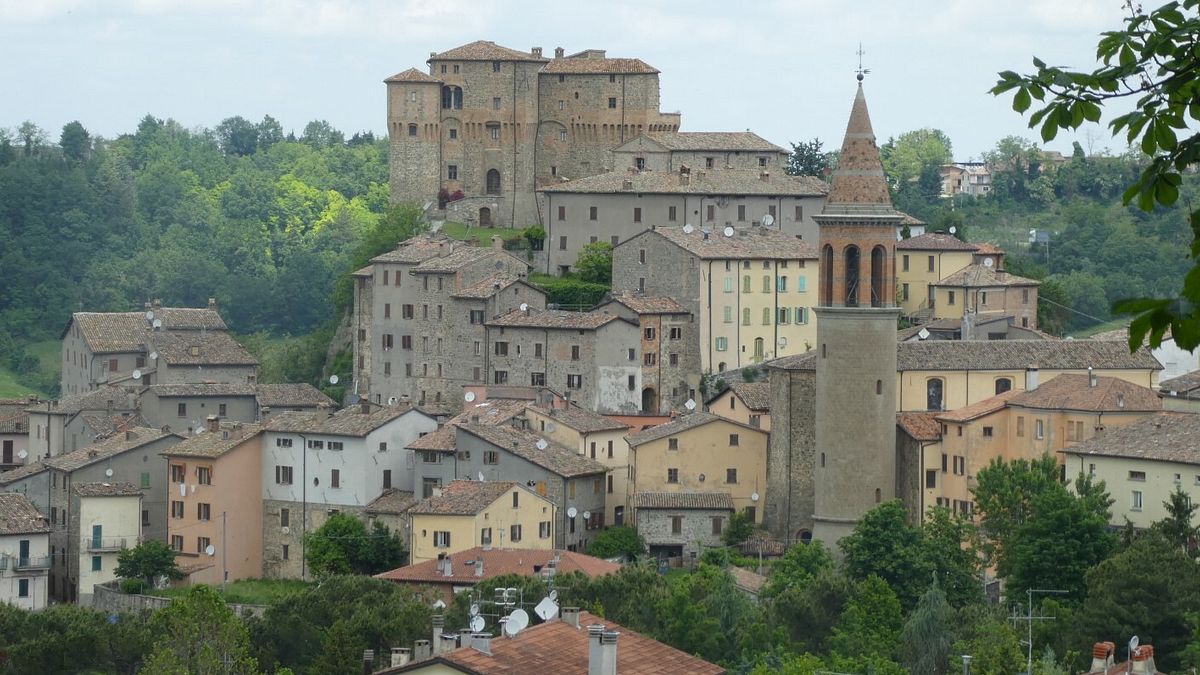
(137, 374)
(587, 515)
(334, 379)
(782, 341)
(108, 473)
(480, 476)
(474, 609)
(477, 624)
(517, 622)
(469, 396)
(392, 400)
(768, 220)
(551, 426)
(754, 497)
(210, 550)
(728, 231)
(285, 529)
(571, 512)
(542, 444)
(157, 324)
(524, 306)
(149, 316)
(953, 230)
(988, 262)
(439, 605)
(546, 609)
(22, 454)
(690, 405)
(923, 333)
(553, 596)
(688, 229)
(1133, 643)
(153, 356)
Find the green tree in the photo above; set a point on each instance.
(146, 561)
(808, 612)
(594, 264)
(342, 545)
(929, 633)
(1152, 62)
(1177, 527)
(1058, 544)
(994, 648)
(905, 157)
(237, 136)
(884, 544)
(950, 551)
(870, 624)
(223, 646)
(738, 530)
(800, 564)
(620, 540)
(321, 134)
(74, 141)
(807, 159)
(1004, 494)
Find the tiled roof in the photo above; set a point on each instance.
(584, 66)
(419, 248)
(18, 516)
(464, 255)
(858, 180)
(498, 562)
(1072, 392)
(1002, 355)
(982, 276)
(1186, 383)
(554, 318)
(647, 304)
(492, 411)
(412, 75)
(106, 423)
(484, 50)
(13, 417)
(213, 444)
(96, 399)
(112, 332)
(349, 421)
(560, 648)
(554, 458)
(464, 498)
(22, 472)
(985, 248)
(444, 439)
(979, 409)
(682, 500)
(756, 395)
(907, 219)
(732, 182)
(488, 286)
(746, 580)
(934, 241)
(189, 318)
(294, 394)
(392, 502)
(105, 489)
(717, 141)
(580, 419)
(920, 426)
(201, 389)
(213, 348)
(805, 361)
(758, 243)
(677, 426)
(109, 447)
(1162, 437)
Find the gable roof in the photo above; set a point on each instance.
(683, 500)
(934, 241)
(200, 389)
(584, 66)
(464, 255)
(982, 276)
(757, 243)
(554, 458)
(554, 319)
(14, 419)
(392, 501)
(979, 409)
(920, 426)
(498, 562)
(214, 444)
(717, 141)
(104, 423)
(1161, 437)
(413, 75)
(414, 250)
(492, 411)
(1074, 392)
(1187, 384)
(96, 399)
(485, 50)
(106, 489)
(756, 395)
(465, 498)
(646, 304)
(345, 422)
(18, 515)
(110, 447)
(580, 419)
(681, 424)
(733, 182)
(22, 472)
(119, 332)
(212, 348)
(493, 284)
(1002, 355)
(300, 395)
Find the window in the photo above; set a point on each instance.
(593, 213)
(491, 457)
(285, 517)
(741, 213)
(387, 478)
(931, 478)
(203, 511)
(676, 524)
(731, 476)
(544, 529)
(178, 473)
(495, 103)
(181, 410)
(537, 379)
(1003, 384)
(612, 102)
(609, 483)
(746, 316)
(177, 542)
(649, 358)
(930, 263)
(987, 432)
(1137, 475)
(960, 465)
(733, 440)
(708, 162)
(335, 478)
(387, 310)
(574, 352)
(781, 284)
(314, 444)
(766, 319)
(202, 544)
(485, 536)
(637, 216)
(203, 475)
(676, 333)
(574, 382)
(514, 533)
(933, 393)
(494, 134)
(96, 564)
(283, 475)
(412, 130)
(672, 475)
(711, 213)
(672, 443)
(500, 377)
(782, 315)
(406, 311)
(950, 296)
(671, 213)
(176, 509)
(1025, 296)
(23, 588)
(1136, 503)
(441, 539)
(1039, 431)
(453, 134)
(1020, 426)
(746, 284)
(501, 348)
(452, 172)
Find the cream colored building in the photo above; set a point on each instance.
(24, 553)
(924, 260)
(746, 403)
(1181, 393)
(1142, 463)
(470, 513)
(107, 517)
(978, 291)
(595, 436)
(699, 453)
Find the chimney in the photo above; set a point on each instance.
(1143, 661)
(497, 243)
(479, 566)
(605, 661)
(439, 622)
(157, 303)
(482, 643)
(212, 304)
(1031, 377)
(109, 404)
(400, 656)
(1092, 380)
(421, 651)
(571, 615)
(364, 407)
(558, 52)
(685, 178)
(536, 51)
(368, 661)
(449, 567)
(213, 423)
(264, 411)
(596, 660)
(1102, 657)
(764, 176)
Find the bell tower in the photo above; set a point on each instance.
(855, 459)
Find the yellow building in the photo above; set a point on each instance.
(465, 514)
(747, 403)
(1142, 463)
(979, 291)
(596, 436)
(925, 260)
(699, 453)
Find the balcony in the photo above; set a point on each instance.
(102, 544)
(36, 562)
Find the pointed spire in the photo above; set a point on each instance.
(859, 177)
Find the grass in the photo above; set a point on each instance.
(48, 353)
(248, 591)
(11, 388)
(1101, 327)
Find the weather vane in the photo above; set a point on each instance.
(861, 71)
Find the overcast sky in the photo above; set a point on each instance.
(783, 68)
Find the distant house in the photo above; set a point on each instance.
(469, 513)
(1181, 393)
(24, 553)
(745, 402)
(14, 433)
(105, 519)
(596, 437)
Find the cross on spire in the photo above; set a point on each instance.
(861, 71)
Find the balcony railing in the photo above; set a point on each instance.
(105, 543)
(35, 562)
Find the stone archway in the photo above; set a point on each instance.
(485, 217)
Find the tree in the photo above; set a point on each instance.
(1004, 494)
(809, 611)
(1151, 61)
(270, 132)
(886, 545)
(1177, 527)
(807, 159)
(905, 158)
(1056, 546)
(342, 546)
(222, 646)
(74, 141)
(929, 633)
(146, 561)
(994, 647)
(237, 136)
(800, 564)
(321, 134)
(950, 551)
(738, 530)
(32, 137)
(594, 264)
(870, 624)
(618, 541)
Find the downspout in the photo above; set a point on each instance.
(708, 301)
(566, 528)
(622, 108)
(775, 332)
(549, 228)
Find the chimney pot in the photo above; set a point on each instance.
(212, 304)
(437, 635)
(602, 651)
(536, 51)
(364, 407)
(571, 615)
(558, 52)
(400, 656)
(421, 651)
(213, 423)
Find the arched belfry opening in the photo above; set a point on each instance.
(878, 276)
(852, 259)
(827, 276)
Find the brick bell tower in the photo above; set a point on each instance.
(855, 459)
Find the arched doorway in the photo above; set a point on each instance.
(852, 258)
(493, 182)
(649, 400)
(878, 270)
(485, 217)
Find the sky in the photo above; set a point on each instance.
(782, 68)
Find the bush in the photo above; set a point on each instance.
(569, 292)
(617, 541)
(133, 586)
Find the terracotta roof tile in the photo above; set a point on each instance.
(757, 243)
(109, 447)
(1188, 383)
(213, 444)
(583, 66)
(717, 141)
(18, 516)
(733, 182)
(747, 580)
(554, 458)
(488, 286)
(554, 318)
(413, 75)
(858, 180)
(465, 497)
(982, 276)
(920, 426)
(105, 489)
(492, 411)
(484, 50)
(1002, 355)
(442, 440)
(907, 219)
(647, 304)
(1162, 437)
(291, 394)
(984, 247)
(104, 423)
(22, 472)
(193, 348)
(392, 502)
(580, 419)
(980, 408)
(756, 395)
(498, 562)
(112, 332)
(935, 241)
(1073, 392)
(414, 250)
(189, 318)
(14, 419)
(463, 255)
(683, 500)
(679, 425)
(345, 422)
(200, 389)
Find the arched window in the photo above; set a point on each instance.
(746, 284)
(721, 367)
(1003, 384)
(452, 97)
(649, 400)
(827, 276)
(758, 348)
(933, 393)
(852, 257)
(805, 537)
(493, 182)
(878, 272)
(878, 495)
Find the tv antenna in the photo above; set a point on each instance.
(861, 71)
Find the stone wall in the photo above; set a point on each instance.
(109, 599)
(791, 454)
(695, 535)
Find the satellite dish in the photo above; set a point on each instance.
(198, 431)
(153, 356)
(439, 605)
(474, 609)
(551, 426)
(1133, 643)
(157, 324)
(210, 550)
(988, 262)
(137, 374)
(392, 400)
(22, 454)
(953, 230)
(690, 405)
(768, 220)
(480, 476)
(524, 306)
(546, 609)
(587, 515)
(517, 622)
(469, 396)
(923, 333)
(553, 596)
(688, 229)
(782, 341)
(754, 497)
(108, 473)
(353, 398)
(285, 529)
(149, 316)
(477, 624)
(334, 379)
(571, 511)
(542, 444)
(728, 231)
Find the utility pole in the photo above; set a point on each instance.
(1030, 618)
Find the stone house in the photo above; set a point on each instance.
(466, 513)
(669, 347)
(977, 292)
(496, 123)
(315, 465)
(747, 403)
(618, 205)
(682, 524)
(24, 553)
(185, 407)
(592, 357)
(706, 150)
(14, 433)
(596, 437)
(77, 420)
(273, 399)
(390, 509)
(130, 457)
(32, 480)
(105, 520)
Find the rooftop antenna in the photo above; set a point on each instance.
(861, 71)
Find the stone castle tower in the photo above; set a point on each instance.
(498, 123)
(855, 397)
